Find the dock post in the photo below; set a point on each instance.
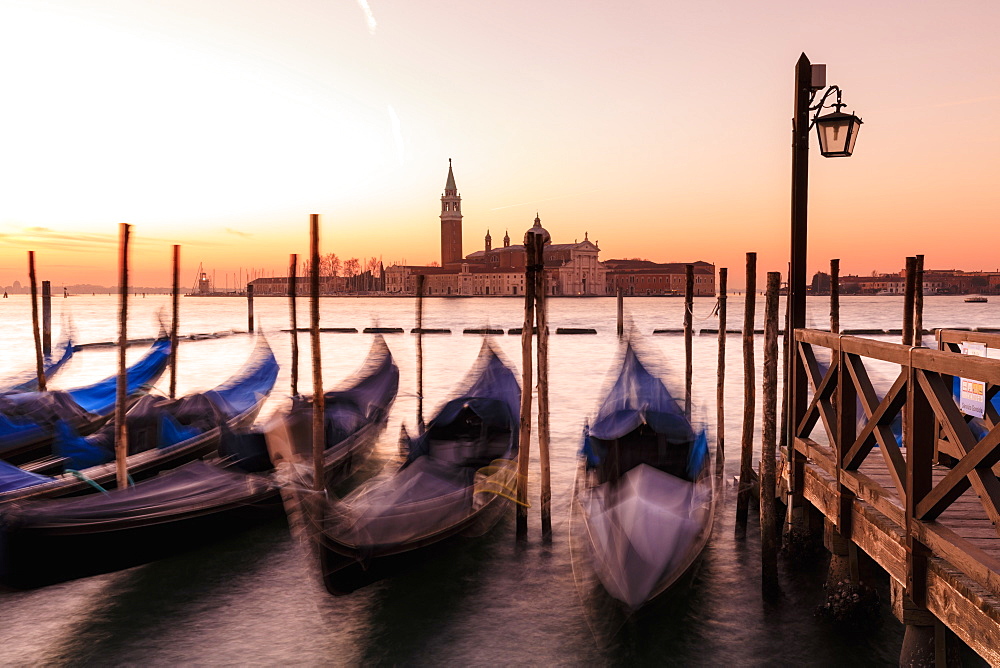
(319, 400)
(250, 307)
(46, 317)
(121, 431)
(835, 296)
(908, 295)
(541, 321)
(420, 353)
(524, 431)
(918, 301)
(768, 463)
(926, 641)
(621, 312)
(749, 399)
(293, 289)
(920, 436)
(175, 308)
(688, 333)
(39, 365)
(720, 390)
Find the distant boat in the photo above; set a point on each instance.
(976, 299)
(886, 293)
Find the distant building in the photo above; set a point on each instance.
(571, 269)
(642, 277)
(935, 282)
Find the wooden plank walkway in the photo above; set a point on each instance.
(942, 550)
(967, 607)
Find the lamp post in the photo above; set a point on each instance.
(837, 134)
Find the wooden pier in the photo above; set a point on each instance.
(926, 509)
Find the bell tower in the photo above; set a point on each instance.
(451, 221)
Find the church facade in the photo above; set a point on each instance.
(570, 269)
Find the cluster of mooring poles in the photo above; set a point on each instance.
(43, 339)
(535, 321)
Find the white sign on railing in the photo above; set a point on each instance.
(972, 396)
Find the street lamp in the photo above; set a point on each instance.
(837, 134)
(838, 131)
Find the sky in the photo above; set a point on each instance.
(660, 129)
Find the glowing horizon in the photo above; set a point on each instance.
(663, 133)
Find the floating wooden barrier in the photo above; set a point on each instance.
(575, 330)
(668, 331)
(894, 332)
(429, 330)
(146, 341)
(855, 332)
(381, 330)
(709, 330)
(336, 330)
(482, 330)
(987, 330)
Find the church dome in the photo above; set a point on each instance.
(538, 229)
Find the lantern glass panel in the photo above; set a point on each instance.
(837, 134)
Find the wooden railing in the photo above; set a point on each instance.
(855, 419)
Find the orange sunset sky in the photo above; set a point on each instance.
(660, 128)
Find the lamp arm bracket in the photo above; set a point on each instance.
(818, 108)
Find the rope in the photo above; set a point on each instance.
(79, 475)
(713, 314)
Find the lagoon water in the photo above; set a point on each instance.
(251, 598)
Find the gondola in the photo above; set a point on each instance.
(355, 415)
(28, 419)
(646, 491)
(52, 540)
(27, 381)
(200, 499)
(162, 434)
(457, 478)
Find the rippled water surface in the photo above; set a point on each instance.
(251, 598)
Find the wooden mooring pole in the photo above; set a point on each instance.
(621, 312)
(720, 390)
(835, 296)
(39, 365)
(420, 353)
(293, 289)
(541, 322)
(46, 317)
(250, 307)
(524, 431)
(318, 437)
(749, 399)
(121, 430)
(918, 301)
(911, 270)
(768, 533)
(688, 336)
(175, 291)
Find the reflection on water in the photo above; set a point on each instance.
(249, 598)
